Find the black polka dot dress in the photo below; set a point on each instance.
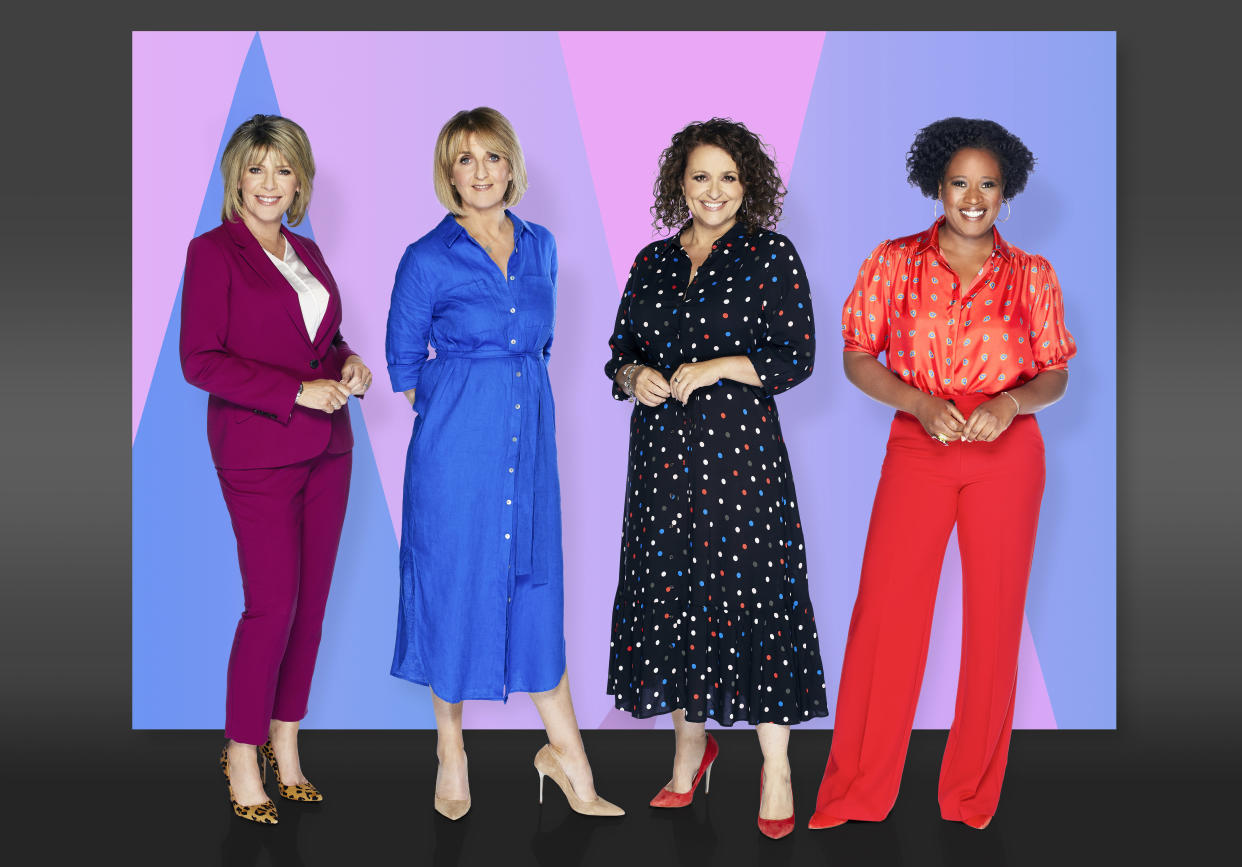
(712, 612)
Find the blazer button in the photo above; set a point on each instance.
(314, 363)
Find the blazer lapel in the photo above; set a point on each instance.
(317, 267)
(254, 254)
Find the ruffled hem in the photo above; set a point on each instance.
(711, 711)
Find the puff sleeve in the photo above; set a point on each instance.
(866, 315)
(1052, 345)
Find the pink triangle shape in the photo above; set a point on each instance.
(1033, 706)
(634, 90)
(183, 86)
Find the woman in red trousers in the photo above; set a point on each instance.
(975, 344)
(260, 332)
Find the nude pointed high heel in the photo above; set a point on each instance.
(451, 808)
(548, 764)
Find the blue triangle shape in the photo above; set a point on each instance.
(255, 94)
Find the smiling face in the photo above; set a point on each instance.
(268, 185)
(972, 193)
(712, 188)
(481, 177)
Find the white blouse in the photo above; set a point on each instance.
(312, 297)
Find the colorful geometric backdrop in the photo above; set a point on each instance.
(593, 111)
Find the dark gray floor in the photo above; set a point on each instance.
(158, 798)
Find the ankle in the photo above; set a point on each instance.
(239, 751)
(450, 752)
(569, 753)
(777, 769)
(692, 741)
(282, 731)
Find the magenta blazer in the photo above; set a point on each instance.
(243, 340)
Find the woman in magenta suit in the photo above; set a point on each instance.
(260, 332)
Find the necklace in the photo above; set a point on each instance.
(279, 252)
(487, 245)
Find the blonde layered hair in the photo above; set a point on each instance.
(248, 145)
(496, 134)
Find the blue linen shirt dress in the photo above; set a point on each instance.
(481, 611)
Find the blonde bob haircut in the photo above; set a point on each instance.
(496, 134)
(248, 145)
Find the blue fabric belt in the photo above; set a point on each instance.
(486, 353)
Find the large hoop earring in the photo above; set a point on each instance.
(935, 216)
(1008, 210)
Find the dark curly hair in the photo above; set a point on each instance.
(761, 183)
(936, 143)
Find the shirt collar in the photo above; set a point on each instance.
(736, 234)
(930, 240)
(450, 230)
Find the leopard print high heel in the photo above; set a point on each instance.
(295, 792)
(264, 814)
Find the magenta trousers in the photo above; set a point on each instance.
(288, 524)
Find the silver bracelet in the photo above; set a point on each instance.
(1015, 401)
(627, 384)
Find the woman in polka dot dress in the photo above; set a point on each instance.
(974, 337)
(712, 617)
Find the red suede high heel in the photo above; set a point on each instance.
(774, 828)
(668, 798)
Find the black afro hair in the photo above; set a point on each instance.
(936, 143)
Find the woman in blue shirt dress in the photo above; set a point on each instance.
(481, 609)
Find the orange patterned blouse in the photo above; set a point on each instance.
(1007, 326)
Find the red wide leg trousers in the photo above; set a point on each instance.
(992, 491)
(288, 524)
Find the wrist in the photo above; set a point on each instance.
(916, 401)
(625, 378)
(1017, 404)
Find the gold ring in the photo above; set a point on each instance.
(944, 440)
